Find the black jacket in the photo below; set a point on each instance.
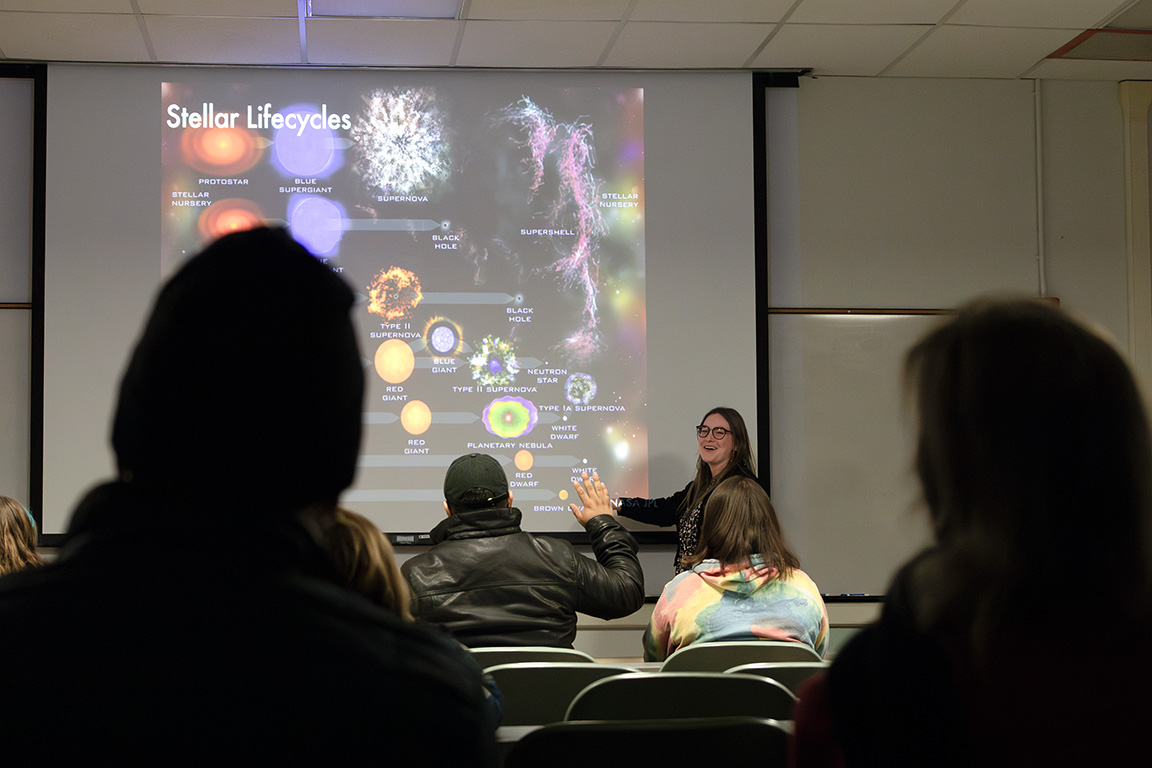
(192, 634)
(489, 583)
(674, 510)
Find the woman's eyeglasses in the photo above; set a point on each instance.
(717, 432)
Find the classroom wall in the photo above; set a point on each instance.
(898, 194)
(15, 283)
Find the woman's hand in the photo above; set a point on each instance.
(593, 495)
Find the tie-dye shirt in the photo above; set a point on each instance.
(742, 602)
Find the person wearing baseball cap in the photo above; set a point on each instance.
(488, 583)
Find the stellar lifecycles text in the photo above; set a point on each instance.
(260, 118)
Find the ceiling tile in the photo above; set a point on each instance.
(952, 51)
(534, 44)
(68, 6)
(548, 10)
(382, 42)
(1068, 69)
(666, 45)
(835, 49)
(252, 9)
(1114, 45)
(218, 40)
(71, 37)
(871, 11)
(1052, 14)
(764, 11)
(1139, 16)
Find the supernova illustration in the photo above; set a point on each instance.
(400, 139)
(510, 417)
(580, 388)
(394, 293)
(494, 362)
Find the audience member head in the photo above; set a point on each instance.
(246, 383)
(1033, 453)
(17, 537)
(475, 481)
(739, 522)
(365, 561)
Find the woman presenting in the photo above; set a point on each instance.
(723, 451)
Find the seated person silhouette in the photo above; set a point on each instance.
(489, 583)
(1020, 637)
(364, 560)
(192, 616)
(17, 537)
(742, 583)
(366, 564)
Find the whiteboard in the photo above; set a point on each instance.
(841, 446)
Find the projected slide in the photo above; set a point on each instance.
(495, 238)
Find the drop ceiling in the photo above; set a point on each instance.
(868, 38)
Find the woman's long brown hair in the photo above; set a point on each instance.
(739, 522)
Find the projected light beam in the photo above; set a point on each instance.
(447, 297)
(392, 225)
(330, 142)
(442, 417)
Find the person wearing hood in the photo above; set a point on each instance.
(192, 616)
(743, 582)
(489, 583)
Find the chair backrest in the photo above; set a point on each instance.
(719, 656)
(664, 695)
(618, 744)
(539, 692)
(790, 674)
(491, 656)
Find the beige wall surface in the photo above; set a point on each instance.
(894, 194)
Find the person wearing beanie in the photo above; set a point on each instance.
(489, 583)
(192, 615)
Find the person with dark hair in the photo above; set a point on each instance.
(17, 537)
(1021, 636)
(192, 615)
(489, 583)
(744, 582)
(723, 450)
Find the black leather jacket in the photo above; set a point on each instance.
(489, 583)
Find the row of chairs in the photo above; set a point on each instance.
(540, 692)
(537, 693)
(699, 657)
(733, 701)
(628, 744)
